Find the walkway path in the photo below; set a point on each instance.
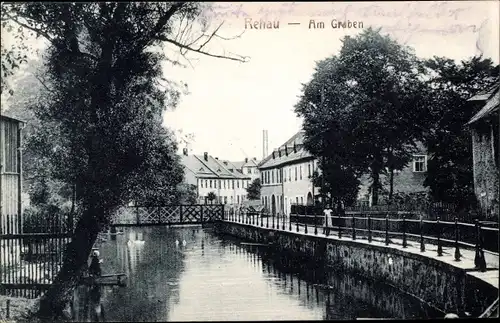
(491, 275)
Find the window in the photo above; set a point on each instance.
(262, 177)
(419, 163)
(297, 200)
(249, 170)
(237, 184)
(238, 198)
(201, 183)
(309, 170)
(289, 174)
(233, 184)
(302, 200)
(296, 174)
(210, 183)
(206, 183)
(272, 176)
(224, 183)
(300, 172)
(225, 199)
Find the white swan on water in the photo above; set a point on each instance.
(183, 242)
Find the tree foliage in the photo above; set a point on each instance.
(211, 196)
(101, 116)
(253, 190)
(361, 110)
(449, 171)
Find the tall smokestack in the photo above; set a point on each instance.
(264, 144)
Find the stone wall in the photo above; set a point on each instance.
(486, 181)
(448, 288)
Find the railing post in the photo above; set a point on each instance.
(422, 244)
(340, 227)
(479, 260)
(369, 228)
(315, 223)
(305, 221)
(457, 250)
(439, 246)
(405, 244)
(353, 227)
(387, 230)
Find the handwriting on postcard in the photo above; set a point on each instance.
(410, 17)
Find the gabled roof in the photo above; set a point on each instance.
(249, 163)
(301, 153)
(210, 168)
(491, 106)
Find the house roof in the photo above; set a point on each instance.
(491, 106)
(301, 153)
(11, 117)
(249, 163)
(210, 168)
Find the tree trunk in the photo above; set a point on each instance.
(375, 186)
(391, 185)
(75, 263)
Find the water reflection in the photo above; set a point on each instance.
(183, 274)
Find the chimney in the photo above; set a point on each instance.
(205, 156)
(216, 158)
(246, 160)
(255, 158)
(273, 154)
(225, 163)
(264, 144)
(294, 147)
(279, 153)
(185, 151)
(286, 150)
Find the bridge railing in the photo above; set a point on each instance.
(169, 214)
(391, 230)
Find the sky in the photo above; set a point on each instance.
(230, 103)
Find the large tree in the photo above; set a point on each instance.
(451, 84)
(368, 119)
(104, 106)
(253, 190)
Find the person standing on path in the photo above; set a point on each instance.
(328, 218)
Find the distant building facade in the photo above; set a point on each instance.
(286, 176)
(248, 167)
(484, 127)
(409, 180)
(211, 175)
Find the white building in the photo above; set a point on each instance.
(210, 174)
(286, 176)
(248, 167)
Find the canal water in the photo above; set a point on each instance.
(190, 273)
